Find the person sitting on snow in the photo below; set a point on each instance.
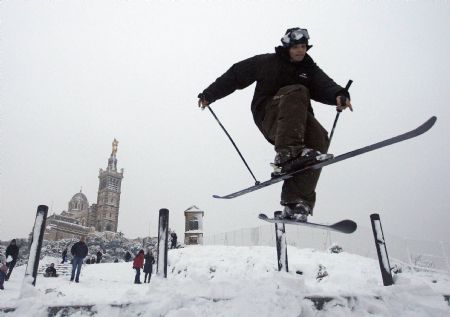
(50, 271)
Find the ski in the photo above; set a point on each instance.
(344, 226)
(399, 138)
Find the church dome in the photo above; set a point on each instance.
(78, 202)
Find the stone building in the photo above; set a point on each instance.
(106, 215)
(82, 219)
(193, 226)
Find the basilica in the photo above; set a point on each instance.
(81, 219)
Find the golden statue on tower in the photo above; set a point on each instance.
(114, 147)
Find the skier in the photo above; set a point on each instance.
(285, 82)
(12, 254)
(138, 263)
(79, 251)
(148, 266)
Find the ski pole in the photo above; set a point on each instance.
(347, 87)
(234, 144)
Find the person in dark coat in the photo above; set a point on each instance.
(12, 254)
(99, 256)
(3, 270)
(138, 264)
(50, 271)
(127, 256)
(286, 81)
(79, 251)
(148, 266)
(64, 256)
(173, 244)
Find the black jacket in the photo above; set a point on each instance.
(79, 249)
(50, 271)
(271, 72)
(13, 251)
(149, 261)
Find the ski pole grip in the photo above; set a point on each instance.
(343, 98)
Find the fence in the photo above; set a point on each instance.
(423, 255)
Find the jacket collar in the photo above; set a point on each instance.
(283, 54)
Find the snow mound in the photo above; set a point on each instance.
(238, 281)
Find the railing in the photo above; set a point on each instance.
(417, 254)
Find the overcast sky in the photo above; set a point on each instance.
(77, 74)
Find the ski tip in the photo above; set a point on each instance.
(345, 226)
(262, 216)
(432, 121)
(217, 196)
(428, 124)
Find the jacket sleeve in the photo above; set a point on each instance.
(72, 249)
(85, 250)
(239, 76)
(323, 89)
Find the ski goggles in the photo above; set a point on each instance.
(295, 35)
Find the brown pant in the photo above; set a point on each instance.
(288, 124)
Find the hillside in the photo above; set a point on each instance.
(238, 281)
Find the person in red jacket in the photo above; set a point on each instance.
(138, 264)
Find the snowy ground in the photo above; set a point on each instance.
(237, 281)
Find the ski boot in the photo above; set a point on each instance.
(298, 211)
(288, 160)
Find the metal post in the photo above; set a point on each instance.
(163, 239)
(280, 235)
(35, 247)
(380, 244)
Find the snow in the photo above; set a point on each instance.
(237, 281)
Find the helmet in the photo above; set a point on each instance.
(295, 36)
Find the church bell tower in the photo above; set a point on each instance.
(108, 198)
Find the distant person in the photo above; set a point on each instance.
(79, 251)
(88, 260)
(50, 271)
(138, 263)
(127, 256)
(99, 256)
(148, 266)
(3, 270)
(64, 256)
(116, 260)
(93, 260)
(174, 237)
(12, 254)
